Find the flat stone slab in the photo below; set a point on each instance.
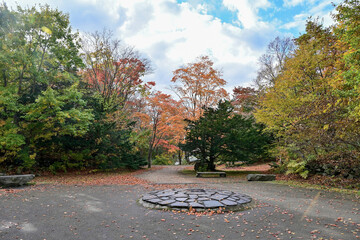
(261, 177)
(201, 199)
(213, 204)
(15, 180)
(179, 205)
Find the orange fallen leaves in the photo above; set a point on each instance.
(98, 178)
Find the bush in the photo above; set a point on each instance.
(345, 164)
(163, 159)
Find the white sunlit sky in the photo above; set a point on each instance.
(171, 33)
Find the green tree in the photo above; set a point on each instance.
(40, 100)
(222, 135)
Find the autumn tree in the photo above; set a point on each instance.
(113, 70)
(306, 111)
(162, 116)
(199, 85)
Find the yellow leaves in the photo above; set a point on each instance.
(337, 102)
(98, 141)
(326, 127)
(46, 30)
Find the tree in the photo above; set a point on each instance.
(305, 110)
(244, 99)
(201, 86)
(113, 70)
(161, 116)
(112, 78)
(40, 100)
(272, 62)
(348, 31)
(222, 135)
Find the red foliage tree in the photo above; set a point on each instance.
(113, 70)
(163, 116)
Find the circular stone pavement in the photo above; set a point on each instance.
(199, 199)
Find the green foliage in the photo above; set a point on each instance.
(54, 114)
(220, 134)
(48, 118)
(348, 32)
(162, 159)
(56, 167)
(298, 167)
(39, 97)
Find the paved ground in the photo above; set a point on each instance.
(111, 212)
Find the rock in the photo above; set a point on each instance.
(212, 204)
(166, 202)
(196, 205)
(181, 199)
(179, 205)
(229, 203)
(15, 180)
(218, 197)
(261, 177)
(153, 200)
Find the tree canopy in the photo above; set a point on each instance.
(221, 135)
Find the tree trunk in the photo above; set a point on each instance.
(211, 165)
(149, 158)
(179, 157)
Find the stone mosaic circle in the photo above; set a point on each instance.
(199, 199)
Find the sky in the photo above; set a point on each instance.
(172, 33)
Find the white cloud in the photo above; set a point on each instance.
(293, 3)
(298, 22)
(247, 11)
(171, 40)
(319, 9)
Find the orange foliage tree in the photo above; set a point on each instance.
(200, 86)
(163, 116)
